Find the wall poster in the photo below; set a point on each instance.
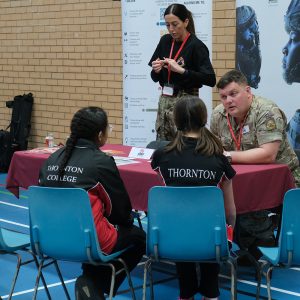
(142, 26)
(268, 53)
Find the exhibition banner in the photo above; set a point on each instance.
(268, 53)
(142, 26)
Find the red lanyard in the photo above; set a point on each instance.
(237, 140)
(177, 54)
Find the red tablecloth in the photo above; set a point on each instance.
(255, 187)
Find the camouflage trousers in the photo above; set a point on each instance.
(296, 174)
(164, 125)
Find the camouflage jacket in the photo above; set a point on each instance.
(265, 123)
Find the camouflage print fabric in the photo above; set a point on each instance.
(165, 126)
(265, 123)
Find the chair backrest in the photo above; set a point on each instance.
(290, 228)
(186, 223)
(61, 223)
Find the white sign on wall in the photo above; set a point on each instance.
(142, 26)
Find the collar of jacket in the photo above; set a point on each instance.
(84, 143)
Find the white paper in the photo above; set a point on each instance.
(121, 161)
(144, 153)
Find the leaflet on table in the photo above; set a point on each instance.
(112, 152)
(121, 161)
(43, 150)
(137, 152)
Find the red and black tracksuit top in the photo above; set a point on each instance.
(96, 172)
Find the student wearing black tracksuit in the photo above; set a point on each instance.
(82, 164)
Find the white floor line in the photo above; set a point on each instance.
(264, 286)
(223, 276)
(14, 205)
(14, 223)
(40, 288)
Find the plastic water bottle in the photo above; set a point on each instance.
(49, 140)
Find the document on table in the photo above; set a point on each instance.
(121, 161)
(43, 150)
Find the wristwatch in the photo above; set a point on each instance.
(228, 156)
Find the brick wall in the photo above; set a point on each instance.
(69, 55)
(223, 56)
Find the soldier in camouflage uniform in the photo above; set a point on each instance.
(252, 131)
(252, 128)
(181, 65)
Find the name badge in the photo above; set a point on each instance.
(168, 90)
(246, 129)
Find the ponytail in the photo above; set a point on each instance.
(71, 142)
(191, 26)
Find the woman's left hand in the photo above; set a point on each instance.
(174, 66)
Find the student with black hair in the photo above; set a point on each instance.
(196, 151)
(181, 65)
(82, 164)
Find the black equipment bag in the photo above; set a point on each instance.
(19, 128)
(20, 120)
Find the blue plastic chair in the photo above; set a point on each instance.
(287, 253)
(11, 242)
(187, 224)
(62, 228)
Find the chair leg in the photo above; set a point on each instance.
(38, 279)
(112, 281)
(128, 278)
(42, 276)
(16, 274)
(233, 279)
(258, 273)
(147, 268)
(61, 280)
(268, 278)
(145, 279)
(151, 282)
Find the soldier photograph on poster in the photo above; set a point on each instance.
(271, 62)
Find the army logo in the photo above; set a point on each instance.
(271, 124)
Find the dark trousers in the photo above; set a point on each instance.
(127, 236)
(188, 279)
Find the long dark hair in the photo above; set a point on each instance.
(86, 123)
(180, 11)
(190, 114)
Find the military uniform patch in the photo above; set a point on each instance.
(271, 125)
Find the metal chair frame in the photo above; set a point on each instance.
(52, 239)
(10, 243)
(166, 204)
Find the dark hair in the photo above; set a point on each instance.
(180, 11)
(232, 76)
(190, 114)
(86, 123)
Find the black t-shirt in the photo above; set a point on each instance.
(188, 168)
(194, 57)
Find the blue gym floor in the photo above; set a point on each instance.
(14, 215)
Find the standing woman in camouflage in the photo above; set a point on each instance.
(180, 64)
